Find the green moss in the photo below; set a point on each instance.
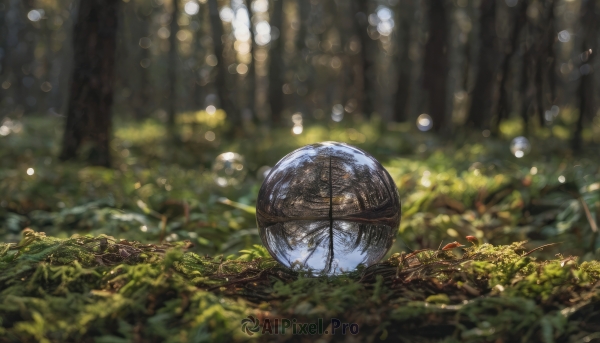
(106, 290)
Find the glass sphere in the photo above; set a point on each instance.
(228, 169)
(520, 146)
(328, 208)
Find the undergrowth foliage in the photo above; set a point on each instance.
(94, 278)
(101, 289)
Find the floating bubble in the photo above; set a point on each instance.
(564, 36)
(520, 146)
(328, 208)
(424, 122)
(35, 15)
(229, 169)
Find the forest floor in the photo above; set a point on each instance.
(155, 250)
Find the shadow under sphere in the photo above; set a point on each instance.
(328, 207)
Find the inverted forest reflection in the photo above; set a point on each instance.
(328, 248)
(328, 208)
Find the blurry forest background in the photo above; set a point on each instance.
(189, 102)
(264, 63)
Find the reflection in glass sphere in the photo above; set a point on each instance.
(328, 208)
(424, 122)
(228, 169)
(520, 146)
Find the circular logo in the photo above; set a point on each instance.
(250, 325)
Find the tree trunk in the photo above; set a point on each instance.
(91, 89)
(365, 69)
(435, 63)
(276, 65)
(174, 62)
(3, 42)
(524, 91)
(221, 79)
(250, 78)
(140, 85)
(401, 107)
(551, 58)
(586, 86)
(520, 17)
(481, 97)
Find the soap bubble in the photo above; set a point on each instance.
(328, 208)
(564, 36)
(35, 15)
(520, 146)
(229, 169)
(424, 122)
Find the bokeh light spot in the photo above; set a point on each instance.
(424, 122)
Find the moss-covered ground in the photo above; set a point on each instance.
(154, 251)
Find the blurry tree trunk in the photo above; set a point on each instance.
(520, 17)
(401, 107)
(251, 73)
(20, 50)
(141, 100)
(173, 63)
(221, 79)
(550, 55)
(435, 64)
(91, 89)
(3, 43)
(545, 60)
(276, 65)
(364, 99)
(539, 87)
(524, 88)
(585, 90)
(304, 9)
(468, 51)
(481, 97)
